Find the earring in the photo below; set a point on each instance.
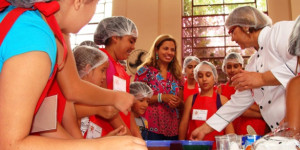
(156, 56)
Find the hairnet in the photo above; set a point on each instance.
(140, 90)
(89, 43)
(200, 68)
(187, 61)
(294, 40)
(232, 57)
(248, 16)
(114, 26)
(87, 55)
(25, 3)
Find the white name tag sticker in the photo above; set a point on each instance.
(119, 84)
(199, 114)
(94, 131)
(46, 117)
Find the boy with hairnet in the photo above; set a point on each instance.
(119, 35)
(142, 93)
(201, 106)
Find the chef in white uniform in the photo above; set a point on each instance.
(271, 66)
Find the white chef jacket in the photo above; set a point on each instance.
(272, 55)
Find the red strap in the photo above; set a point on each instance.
(8, 21)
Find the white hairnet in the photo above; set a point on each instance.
(114, 26)
(248, 16)
(187, 61)
(87, 55)
(25, 3)
(140, 90)
(294, 40)
(232, 57)
(89, 43)
(200, 68)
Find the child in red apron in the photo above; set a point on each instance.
(28, 58)
(200, 107)
(119, 35)
(92, 65)
(190, 85)
(232, 65)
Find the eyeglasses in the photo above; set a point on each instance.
(232, 30)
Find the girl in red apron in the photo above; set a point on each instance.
(119, 35)
(28, 50)
(198, 108)
(232, 65)
(190, 85)
(92, 65)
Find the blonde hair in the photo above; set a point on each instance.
(151, 61)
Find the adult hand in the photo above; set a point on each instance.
(123, 142)
(174, 103)
(247, 80)
(172, 100)
(123, 101)
(200, 132)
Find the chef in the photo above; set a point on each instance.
(267, 73)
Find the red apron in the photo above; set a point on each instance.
(48, 10)
(211, 105)
(103, 123)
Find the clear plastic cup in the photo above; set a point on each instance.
(222, 142)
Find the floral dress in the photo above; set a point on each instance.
(161, 118)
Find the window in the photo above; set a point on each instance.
(103, 10)
(204, 34)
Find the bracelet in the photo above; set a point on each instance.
(159, 98)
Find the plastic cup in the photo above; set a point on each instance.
(222, 142)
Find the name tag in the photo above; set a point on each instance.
(119, 84)
(94, 131)
(199, 114)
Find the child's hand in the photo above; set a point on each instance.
(123, 101)
(118, 132)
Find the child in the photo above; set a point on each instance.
(199, 107)
(233, 64)
(142, 93)
(92, 65)
(190, 85)
(119, 35)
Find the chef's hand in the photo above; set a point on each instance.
(247, 80)
(200, 132)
